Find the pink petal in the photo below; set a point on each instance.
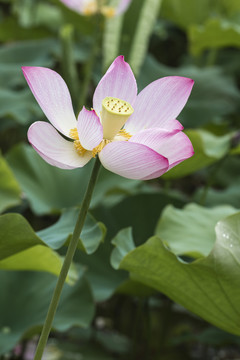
(133, 161)
(172, 125)
(118, 82)
(52, 95)
(89, 128)
(175, 146)
(76, 5)
(123, 6)
(53, 148)
(159, 102)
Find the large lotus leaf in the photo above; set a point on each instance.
(9, 189)
(123, 242)
(16, 235)
(214, 94)
(27, 311)
(50, 189)
(190, 231)
(209, 287)
(91, 236)
(22, 249)
(208, 149)
(214, 34)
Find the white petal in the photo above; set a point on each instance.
(159, 102)
(173, 125)
(52, 94)
(133, 161)
(53, 148)
(118, 82)
(175, 146)
(89, 128)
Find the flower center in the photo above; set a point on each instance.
(122, 135)
(114, 115)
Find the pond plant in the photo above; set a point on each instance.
(119, 182)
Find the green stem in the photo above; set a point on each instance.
(111, 39)
(146, 22)
(67, 262)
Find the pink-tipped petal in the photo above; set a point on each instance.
(173, 125)
(122, 6)
(175, 146)
(52, 95)
(118, 82)
(76, 5)
(159, 102)
(90, 130)
(133, 161)
(53, 148)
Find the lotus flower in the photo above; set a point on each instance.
(135, 136)
(91, 7)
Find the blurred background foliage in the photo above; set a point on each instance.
(157, 272)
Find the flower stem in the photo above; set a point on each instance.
(111, 39)
(146, 22)
(67, 262)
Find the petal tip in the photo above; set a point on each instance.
(119, 59)
(25, 69)
(189, 81)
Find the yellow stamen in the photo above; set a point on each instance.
(99, 148)
(124, 133)
(119, 106)
(79, 148)
(73, 133)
